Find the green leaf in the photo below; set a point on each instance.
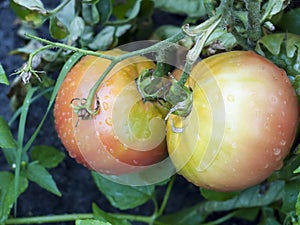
(287, 171)
(67, 14)
(57, 29)
(76, 28)
(107, 217)
(91, 222)
(121, 11)
(42, 177)
(217, 196)
(296, 85)
(192, 8)
(3, 78)
(249, 198)
(290, 21)
(283, 49)
(7, 195)
(105, 10)
(272, 7)
(6, 138)
(47, 156)
(107, 35)
(291, 191)
(122, 196)
(31, 11)
(90, 14)
(297, 170)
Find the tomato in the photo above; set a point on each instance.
(127, 135)
(242, 124)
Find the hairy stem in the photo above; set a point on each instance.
(254, 17)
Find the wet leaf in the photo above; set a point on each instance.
(107, 217)
(123, 196)
(47, 156)
(7, 193)
(57, 29)
(6, 138)
(192, 8)
(38, 174)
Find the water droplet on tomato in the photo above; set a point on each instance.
(282, 142)
(273, 99)
(276, 151)
(105, 106)
(135, 162)
(72, 154)
(108, 121)
(230, 98)
(233, 145)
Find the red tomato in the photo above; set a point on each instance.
(126, 135)
(242, 125)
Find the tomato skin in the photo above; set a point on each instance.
(242, 125)
(98, 143)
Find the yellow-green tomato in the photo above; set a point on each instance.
(242, 125)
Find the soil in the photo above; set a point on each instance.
(73, 180)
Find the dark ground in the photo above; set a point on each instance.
(73, 180)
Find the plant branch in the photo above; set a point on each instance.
(49, 219)
(166, 197)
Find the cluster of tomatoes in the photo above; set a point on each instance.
(241, 126)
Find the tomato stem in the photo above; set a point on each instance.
(202, 36)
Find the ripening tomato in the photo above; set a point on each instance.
(127, 134)
(242, 125)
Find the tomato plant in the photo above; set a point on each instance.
(242, 125)
(227, 123)
(126, 134)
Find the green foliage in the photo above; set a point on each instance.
(283, 49)
(105, 24)
(38, 174)
(3, 78)
(47, 156)
(7, 193)
(6, 138)
(123, 196)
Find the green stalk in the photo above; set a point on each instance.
(49, 219)
(166, 197)
(254, 17)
